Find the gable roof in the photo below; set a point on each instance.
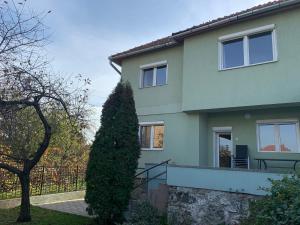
(177, 37)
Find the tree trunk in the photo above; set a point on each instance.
(24, 215)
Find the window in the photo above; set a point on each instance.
(233, 53)
(248, 48)
(153, 75)
(145, 135)
(161, 75)
(148, 77)
(278, 136)
(260, 48)
(152, 136)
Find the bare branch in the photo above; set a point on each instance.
(10, 168)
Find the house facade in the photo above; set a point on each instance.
(233, 81)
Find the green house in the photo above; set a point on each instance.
(230, 83)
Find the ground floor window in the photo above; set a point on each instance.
(152, 135)
(278, 136)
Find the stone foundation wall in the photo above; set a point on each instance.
(192, 206)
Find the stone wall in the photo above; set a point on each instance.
(191, 206)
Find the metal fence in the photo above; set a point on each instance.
(43, 180)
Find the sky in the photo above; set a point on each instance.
(84, 33)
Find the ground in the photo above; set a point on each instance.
(77, 207)
(41, 216)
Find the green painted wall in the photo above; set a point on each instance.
(195, 84)
(244, 130)
(160, 99)
(181, 140)
(221, 180)
(205, 87)
(189, 136)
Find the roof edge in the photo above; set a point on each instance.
(118, 57)
(237, 18)
(177, 37)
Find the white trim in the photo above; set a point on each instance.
(152, 149)
(274, 44)
(220, 54)
(155, 64)
(256, 64)
(278, 121)
(141, 78)
(154, 76)
(152, 124)
(247, 32)
(154, 67)
(167, 72)
(222, 129)
(246, 51)
(277, 143)
(244, 35)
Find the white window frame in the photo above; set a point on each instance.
(154, 67)
(277, 134)
(245, 35)
(152, 124)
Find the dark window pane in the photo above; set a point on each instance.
(161, 75)
(233, 53)
(158, 139)
(260, 48)
(145, 135)
(267, 138)
(288, 137)
(147, 77)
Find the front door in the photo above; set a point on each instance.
(223, 149)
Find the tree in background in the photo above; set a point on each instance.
(31, 97)
(68, 147)
(113, 158)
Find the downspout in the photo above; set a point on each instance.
(114, 67)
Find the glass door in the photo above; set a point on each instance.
(223, 149)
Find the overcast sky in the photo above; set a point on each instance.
(86, 32)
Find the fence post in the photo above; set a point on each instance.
(76, 178)
(42, 181)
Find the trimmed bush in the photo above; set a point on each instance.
(113, 158)
(280, 207)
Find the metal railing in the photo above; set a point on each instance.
(43, 180)
(144, 176)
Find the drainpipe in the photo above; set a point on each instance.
(114, 67)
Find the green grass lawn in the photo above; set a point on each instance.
(43, 217)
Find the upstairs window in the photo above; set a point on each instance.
(260, 48)
(233, 53)
(248, 48)
(278, 136)
(153, 75)
(161, 75)
(148, 77)
(152, 136)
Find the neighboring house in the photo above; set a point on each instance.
(232, 81)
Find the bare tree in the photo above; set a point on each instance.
(29, 93)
